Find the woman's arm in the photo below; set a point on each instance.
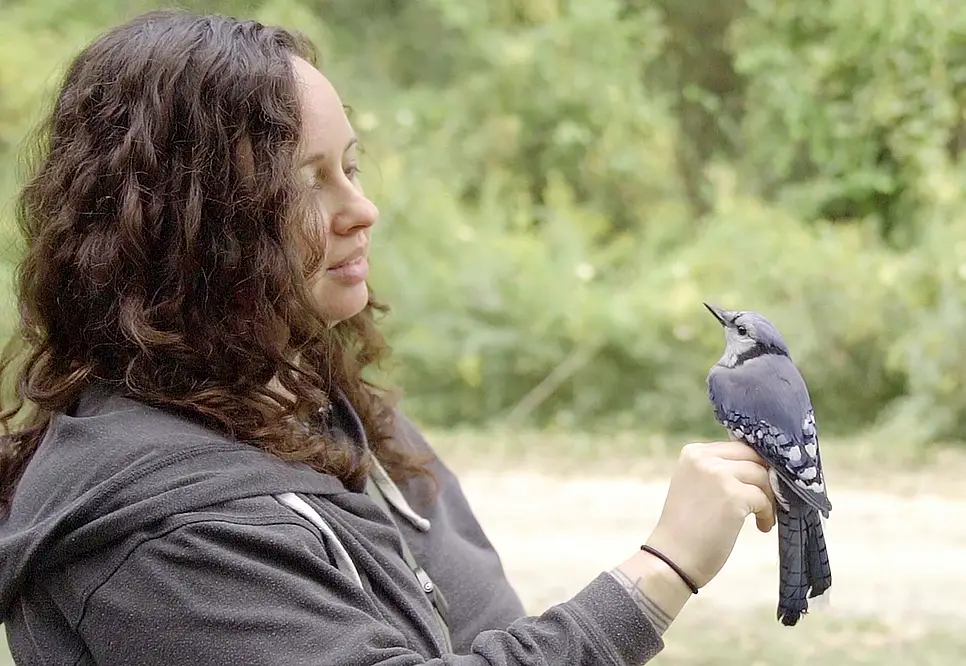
(225, 587)
(223, 590)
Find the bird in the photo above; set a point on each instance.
(760, 397)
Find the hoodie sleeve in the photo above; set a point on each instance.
(216, 591)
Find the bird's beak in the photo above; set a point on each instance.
(718, 313)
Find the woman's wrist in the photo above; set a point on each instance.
(654, 586)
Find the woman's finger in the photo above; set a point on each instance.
(735, 450)
(750, 473)
(759, 503)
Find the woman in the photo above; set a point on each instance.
(201, 474)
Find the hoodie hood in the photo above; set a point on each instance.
(114, 466)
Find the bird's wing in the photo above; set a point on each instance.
(765, 403)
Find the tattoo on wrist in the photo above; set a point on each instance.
(651, 610)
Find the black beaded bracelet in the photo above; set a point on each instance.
(676, 568)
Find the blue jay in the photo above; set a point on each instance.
(760, 397)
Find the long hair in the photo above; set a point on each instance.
(163, 221)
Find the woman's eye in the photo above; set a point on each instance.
(319, 176)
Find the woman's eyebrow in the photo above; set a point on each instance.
(320, 156)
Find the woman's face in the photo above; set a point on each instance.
(328, 163)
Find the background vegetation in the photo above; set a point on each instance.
(562, 184)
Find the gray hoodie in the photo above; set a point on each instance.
(138, 536)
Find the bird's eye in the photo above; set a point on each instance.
(742, 330)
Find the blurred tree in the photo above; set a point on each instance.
(561, 184)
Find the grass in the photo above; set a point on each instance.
(756, 639)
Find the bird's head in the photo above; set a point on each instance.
(747, 334)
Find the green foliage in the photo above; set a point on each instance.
(562, 184)
(851, 105)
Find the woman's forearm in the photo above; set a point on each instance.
(657, 590)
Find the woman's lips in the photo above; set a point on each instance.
(350, 272)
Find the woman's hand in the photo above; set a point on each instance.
(713, 489)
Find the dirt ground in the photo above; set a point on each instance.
(894, 558)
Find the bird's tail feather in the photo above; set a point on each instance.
(805, 572)
(816, 556)
(792, 576)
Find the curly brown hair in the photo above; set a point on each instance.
(162, 224)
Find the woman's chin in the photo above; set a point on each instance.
(338, 302)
